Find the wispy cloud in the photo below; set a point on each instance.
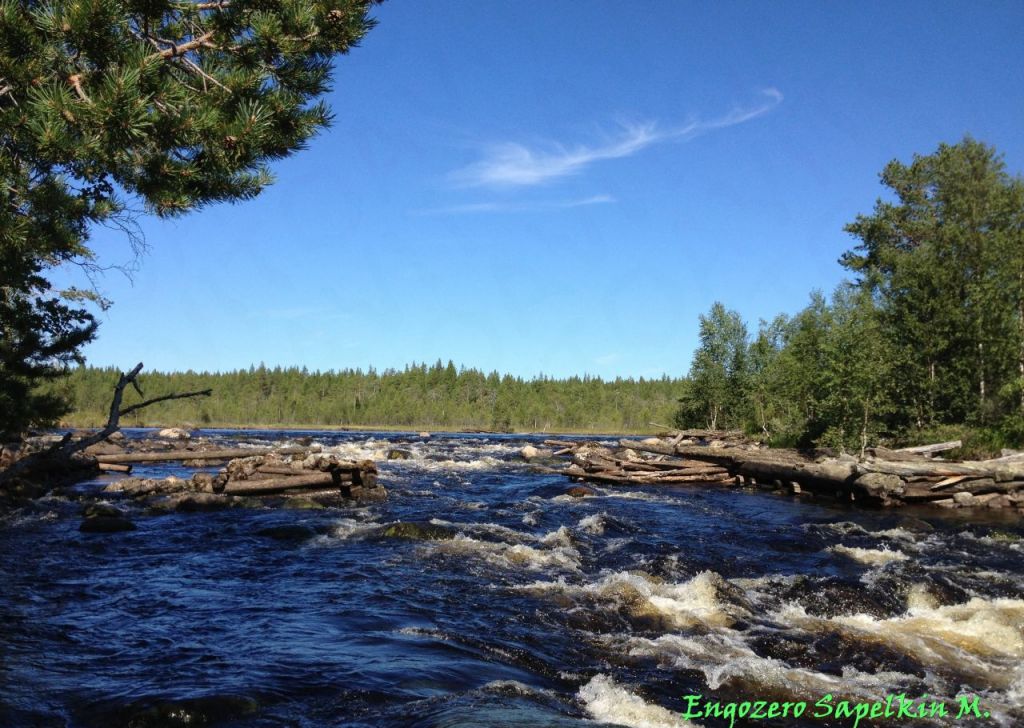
(500, 207)
(516, 165)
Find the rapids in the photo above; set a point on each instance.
(531, 609)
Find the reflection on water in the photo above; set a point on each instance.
(525, 607)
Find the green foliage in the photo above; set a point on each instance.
(929, 335)
(718, 375)
(945, 260)
(417, 397)
(172, 104)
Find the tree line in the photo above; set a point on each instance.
(420, 396)
(927, 336)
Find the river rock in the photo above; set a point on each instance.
(174, 433)
(580, 491)
(209, 482)
(104, 448)
(425, 435)
(399, 454)
(418, 531)
(195, 502)
(881, 486)
(963, 499)
(104, 509)
(105, 524)
(148, 486)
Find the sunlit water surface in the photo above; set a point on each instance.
(543, 610)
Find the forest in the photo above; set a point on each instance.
(420, 396)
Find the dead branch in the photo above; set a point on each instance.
(66, 448)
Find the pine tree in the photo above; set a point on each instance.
(171, 104)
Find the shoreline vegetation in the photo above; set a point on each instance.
(440, 397)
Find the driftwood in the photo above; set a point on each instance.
(168, 455)
(62, 453)
(932, 449)
(270, 485)
(886, 477)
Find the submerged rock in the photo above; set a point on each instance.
(206, 710)
(107, 510)
(298, 503)
(192, 502)
(106, 524)
(418, 531)
(290, 532)
(580, 491)
(399, 454)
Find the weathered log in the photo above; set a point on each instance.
(932, 449)
(280, 470)
(114, 468)
(155, 457)
(1000, 470)
(269, 485)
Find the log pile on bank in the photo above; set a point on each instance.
(882, 477)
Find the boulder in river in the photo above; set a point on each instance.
(399, 454)
(174, 433)
(580, 491)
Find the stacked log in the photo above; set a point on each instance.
(881, 477)
(283, 471)
(272, 474)
(601, 465)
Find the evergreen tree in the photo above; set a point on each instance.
(173, 103)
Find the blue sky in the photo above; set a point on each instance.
(562, 187)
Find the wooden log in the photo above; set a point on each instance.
(269, 485)
(950, 481)
(340, 476)
(114, 468)
(932, 449)
(1011, 470)
(280, 470)
(155, 457)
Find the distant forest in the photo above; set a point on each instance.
(421, 396)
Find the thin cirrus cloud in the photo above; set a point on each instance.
(535, 206)
(516, 165)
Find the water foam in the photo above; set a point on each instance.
(511, 556)
(872, 557)
(982, 639)
(692, 603)
(608, 702)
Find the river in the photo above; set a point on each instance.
(537, 609)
